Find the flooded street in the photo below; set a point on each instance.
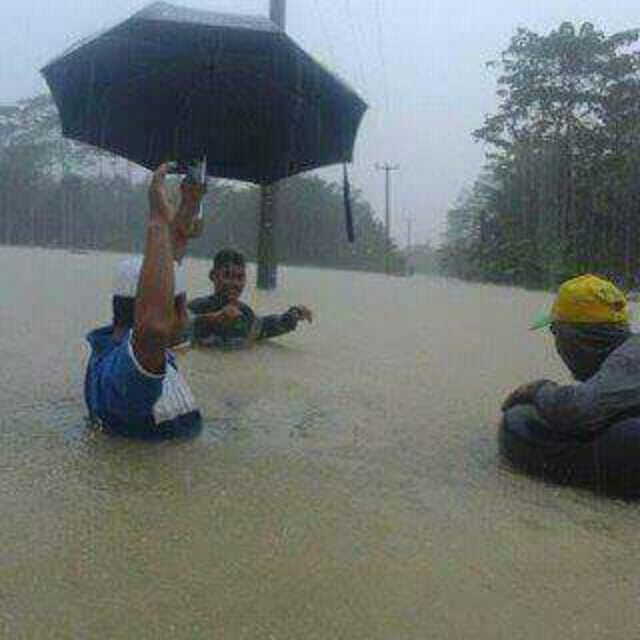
(346, 483)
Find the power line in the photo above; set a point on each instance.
(383, 61)
(325, 32)
(356, 41)
(388, 169)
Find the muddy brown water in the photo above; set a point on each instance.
(346, 483)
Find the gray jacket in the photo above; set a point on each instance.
(611, 393)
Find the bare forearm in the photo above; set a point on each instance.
(156, 318)
(154, 302)
(186, 225)
(179, 233)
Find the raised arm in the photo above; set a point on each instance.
(154, 311)
(156, 314)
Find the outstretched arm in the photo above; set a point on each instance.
(277, 325)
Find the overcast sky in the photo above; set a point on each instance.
(418, 63)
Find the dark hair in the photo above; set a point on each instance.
(228, 256)
(123, 311)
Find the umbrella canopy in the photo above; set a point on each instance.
(172, 83)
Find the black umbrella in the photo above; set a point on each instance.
(175, 83)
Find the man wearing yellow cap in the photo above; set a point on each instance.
(590, 324)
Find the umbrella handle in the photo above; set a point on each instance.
(347, 206)
(197, 174)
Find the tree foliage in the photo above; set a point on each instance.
(57, 193)
(560, 193)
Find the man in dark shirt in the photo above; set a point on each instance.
(222, 320)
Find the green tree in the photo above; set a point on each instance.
(563, 162)
(55, 192)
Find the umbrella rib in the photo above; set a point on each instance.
(261, 102)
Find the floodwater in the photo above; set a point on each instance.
(345, 485)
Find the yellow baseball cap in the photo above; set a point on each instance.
(586, 299)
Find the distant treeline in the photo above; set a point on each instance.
(55, 193)
(560, 194)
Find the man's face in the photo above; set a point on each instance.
(564, 354)
(584, 349)
(229, 281)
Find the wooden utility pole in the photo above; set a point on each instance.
(267, 259)
(409, 256)
(387, 168)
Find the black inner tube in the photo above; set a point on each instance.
(607, 462)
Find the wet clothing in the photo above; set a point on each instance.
(126, 400)
(610, 394)
(246, 329)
